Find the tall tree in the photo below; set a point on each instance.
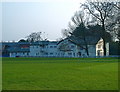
(96, 30)
(101, 11)
(80, 33)
(77, 30)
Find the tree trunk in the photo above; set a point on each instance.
(86, 46)
(87, 51)
(104, 38)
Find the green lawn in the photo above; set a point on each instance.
(60, 74)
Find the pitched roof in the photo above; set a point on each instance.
(44, 42)
(90, 40)
(39, 42)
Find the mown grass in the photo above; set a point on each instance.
(60, 73)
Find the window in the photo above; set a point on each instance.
(37, 54)
(69, 53)
(51, 53)
(98, 52)
(74, 54)
(36, 46)
(27, 53)
(51, 46)
(99, 46)
(46, 53)
(72, 46)
(79, 53)
(55, 46)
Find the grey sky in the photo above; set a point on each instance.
(19, 19)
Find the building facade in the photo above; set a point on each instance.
(63, 48)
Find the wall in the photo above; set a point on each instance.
(19, 54)
(99, 48)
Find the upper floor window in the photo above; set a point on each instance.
(51, 46)
(51, 53)
(36, 46)
(72, 46)
(46, 53)
(99, 46)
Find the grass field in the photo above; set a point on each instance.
(60, 73)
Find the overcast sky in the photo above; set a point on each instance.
(19, 19)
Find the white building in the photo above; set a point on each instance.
(77, 48)
(43, 49)
(64, 48)
(19, 49)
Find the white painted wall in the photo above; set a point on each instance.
(99, 48)
(107, 49)
(52, 50)
(92, 50)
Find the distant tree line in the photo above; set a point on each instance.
(34, 37)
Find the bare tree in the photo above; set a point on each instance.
(77, 30)
(113, 24)
(101, 11)
(35, 36)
